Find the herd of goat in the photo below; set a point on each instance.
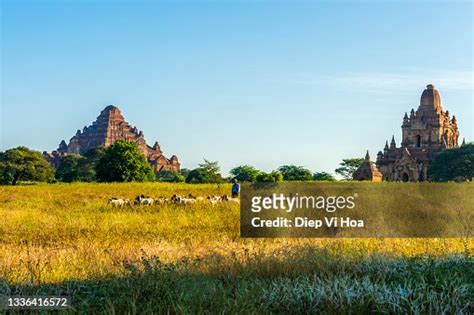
(143, 200)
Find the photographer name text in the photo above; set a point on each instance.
(305, 222)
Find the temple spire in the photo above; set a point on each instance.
(430, 99)
(62, 146)
(393, 145)
(405, 120)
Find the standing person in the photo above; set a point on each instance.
(235, 188)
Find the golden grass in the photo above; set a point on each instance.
(54, 233)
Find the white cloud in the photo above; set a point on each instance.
(391, 82)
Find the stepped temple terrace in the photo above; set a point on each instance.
(109, 127)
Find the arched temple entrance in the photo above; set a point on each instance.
(405, 177)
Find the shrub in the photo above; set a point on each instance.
(323, 176)
(170, 177)
(272, 177)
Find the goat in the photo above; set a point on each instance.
(144, 200)
(118, 202)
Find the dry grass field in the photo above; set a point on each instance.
(65, 239)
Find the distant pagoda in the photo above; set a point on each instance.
(109, 127)
(425, 132)
(368, 171)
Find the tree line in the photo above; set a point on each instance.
(124, 162)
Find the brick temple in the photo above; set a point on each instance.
(109, 127)
(425, 132)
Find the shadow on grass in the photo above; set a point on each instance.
(297, 282)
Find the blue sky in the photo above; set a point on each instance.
(264, 83)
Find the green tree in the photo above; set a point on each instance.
(271, 177)
(123, 162)
(87, 167)
(185, 172)
(452, 163)
(207, 172)
(68, 168)
(170, 177)
(197, 176)
(74, 167)
(212, 169)
(294, 173)
(348, 166)
(21, 163)
(323, 176)
(244, 173)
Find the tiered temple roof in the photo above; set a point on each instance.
(109, 127)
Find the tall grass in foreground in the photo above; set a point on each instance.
(65, 239)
